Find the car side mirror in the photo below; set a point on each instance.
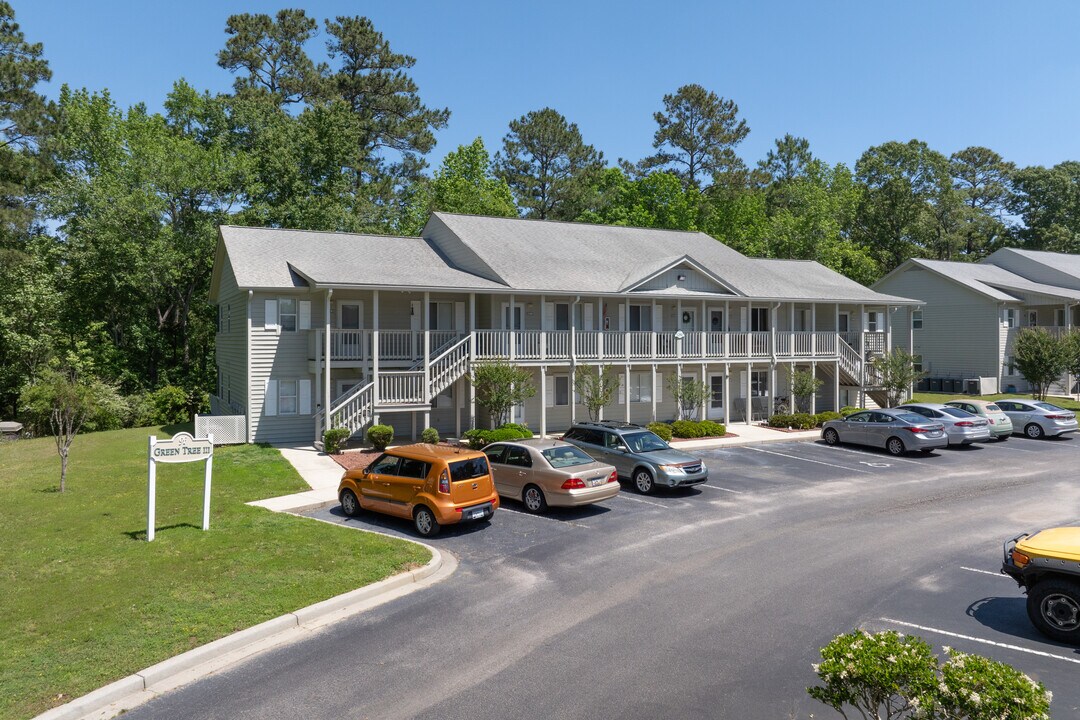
(367, 470)
(621, 447)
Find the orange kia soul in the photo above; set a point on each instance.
(433, 485)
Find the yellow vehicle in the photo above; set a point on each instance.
(432, 485)
(1047, 565)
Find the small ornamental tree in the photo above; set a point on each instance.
(891, 676)
(1072, 354)
(804, 385)
(499, 387)
(63, 403)
(1041, 358)
(896, 373)
(596, 389)
(689, 396)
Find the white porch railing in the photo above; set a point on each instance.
(405, 387)
(449, 366)
(352, 410)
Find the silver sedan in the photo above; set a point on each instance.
(1037, 419)
(540, 473)
(962, 427)
(895, 430)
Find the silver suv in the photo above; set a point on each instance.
(637, 454)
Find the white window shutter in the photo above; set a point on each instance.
(549, 316)
(270, 321)
(744, 324)
(549, 392)
(303, 321)
(622, 389)
(303, 390)
(588, 315)
(659, 387)
(270, 399)
(620, 310)
(742, 383)
(459, 317)
(416, 315)
(658, 318)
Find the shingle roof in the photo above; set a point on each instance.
(993, 281)
(262, 258)
(569, 257)
(1063, 262)
(530, 255)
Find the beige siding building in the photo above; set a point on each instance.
(386, 329)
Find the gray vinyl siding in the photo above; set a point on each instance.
(231, 340)
(695, 280)
(961, 332)
(280, 355)
(457, 252)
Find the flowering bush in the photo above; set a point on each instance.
(889, 675)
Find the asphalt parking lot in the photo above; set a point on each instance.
(705, 602)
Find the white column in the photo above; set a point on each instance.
(375, 347)
(512, 336)
(704, 409)
(247, 352)
(427, 354)
(600, 371)
(573, 395)
(472, 359)
(813, 329)
(772, 390)
(653, 380)
(813, 395)
(749, 400)
(626, 389)
(543, 400)
(319, 404)
(151, 489)
(727, 393)
(458, 404)
(326, 355)
(209, 470)
(836, 387)
(888, 329)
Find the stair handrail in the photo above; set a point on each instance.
(444, 367)
(342, 402)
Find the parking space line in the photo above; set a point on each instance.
(863, 452)
(717, 487)
(1041, 653)
(620, 496)
(819, 462)
(543, 517)
(985, 572)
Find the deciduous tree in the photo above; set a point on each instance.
(1041, 358)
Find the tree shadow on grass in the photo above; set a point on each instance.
(141, 534)
(50, 489)
(188, 427)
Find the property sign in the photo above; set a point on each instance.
(182, 447)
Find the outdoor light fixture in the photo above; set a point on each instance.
(681, 277)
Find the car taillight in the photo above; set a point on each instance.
(1059, 417)
(916, 429)
(965, 423)
(573, 484)
(613, 477)
(990, 420)
(1019, 559)
(444, 483)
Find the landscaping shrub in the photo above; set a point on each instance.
(697, 429)
(478, 439)
(380, 436)
(796, 421)
(848, 410)
(662, 430)
(334, 439)
(430, 436)
(823, 417)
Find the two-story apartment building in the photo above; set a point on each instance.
(386, 329)
(973, 312)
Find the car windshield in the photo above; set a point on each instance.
(993, 408)
(644, 442)
(565, 456)
(1048, 406)
(956, 412)
(911, 418)
(468, 469)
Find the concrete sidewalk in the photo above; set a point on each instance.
(323, 474)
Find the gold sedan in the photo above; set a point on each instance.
(540, 473)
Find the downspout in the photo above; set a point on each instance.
(247, 412)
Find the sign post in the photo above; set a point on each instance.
(181, 448)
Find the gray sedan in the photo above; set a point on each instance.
(1037, 419)
(962, 427)
(895, 430)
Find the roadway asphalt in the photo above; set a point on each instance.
(705, 603)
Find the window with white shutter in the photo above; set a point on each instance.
(270, 321)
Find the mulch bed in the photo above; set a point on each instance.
(361, 458)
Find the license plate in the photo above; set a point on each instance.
(594, 482)
(934, 433)
(476, 514)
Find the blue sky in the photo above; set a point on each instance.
(845, 75)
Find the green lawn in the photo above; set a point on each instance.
(933, 397)
(86, 600)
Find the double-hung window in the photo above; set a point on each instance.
(641, 317)
(916, 363)
(441, 316)
(759, 383)
(287, 314)
(759, 319)
(1009, 317)
(916, 319)
(286, 397)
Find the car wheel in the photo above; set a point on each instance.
(832, 437)
(425, 522)
(643, 481)
(1003, 438)
(349, 504)
(1054, 608)
(895, 446)
(534, 499)
(1033, 431)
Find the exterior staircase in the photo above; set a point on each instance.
(858, 372)
(414, 388)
